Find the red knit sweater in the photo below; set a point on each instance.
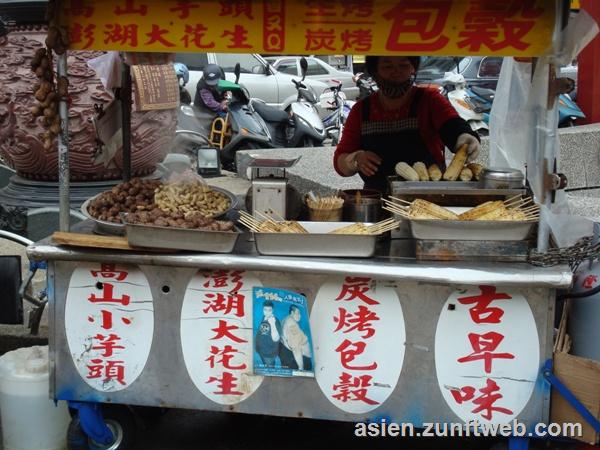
(433, 111)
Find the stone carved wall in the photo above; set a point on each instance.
(21, 144)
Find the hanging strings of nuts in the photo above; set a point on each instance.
(46, 91)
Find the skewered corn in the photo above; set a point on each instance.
(466, 174)
(477, 169)
(421, 169)
(406, 172)
(458, 162)
(435, 174)
(422, 209)
(482, 210)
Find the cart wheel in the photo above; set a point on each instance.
(121, 423)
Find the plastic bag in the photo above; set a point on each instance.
(108, 69)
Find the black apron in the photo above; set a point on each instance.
(393, 141)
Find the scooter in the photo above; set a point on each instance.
(454, 87)
(366, 85)
(252, 124)
(568, 111)
(335, 100)
(183, 76)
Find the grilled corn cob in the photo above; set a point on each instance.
(422, 209)
(504, 214)
(457, 164)
(476, 169)
(482, 210)
(435, 174)
(466, 174)
(421, 169)
(406, 172)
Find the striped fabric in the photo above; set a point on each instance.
(389, 127)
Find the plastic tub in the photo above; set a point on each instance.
(30, 420)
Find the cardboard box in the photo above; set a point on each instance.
(582, 377)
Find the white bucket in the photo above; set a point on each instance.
(30, 420)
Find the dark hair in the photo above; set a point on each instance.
(268, 303)
(371, 63)
(294, 307)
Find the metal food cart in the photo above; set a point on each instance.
(394, 339)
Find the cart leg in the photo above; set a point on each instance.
(518, 443)
(92, 422)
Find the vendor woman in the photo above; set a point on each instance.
(400, 122)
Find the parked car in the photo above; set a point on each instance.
(317, 70)
(479, 71)
(257, 75)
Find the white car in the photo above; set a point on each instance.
(317, 70)
(257, 75)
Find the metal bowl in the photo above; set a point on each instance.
(118, 229)
(502, 178)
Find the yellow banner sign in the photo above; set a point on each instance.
(419, 27)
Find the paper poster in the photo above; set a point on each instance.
(281, 329)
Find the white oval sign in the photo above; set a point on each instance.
(109, 323)
(216, 335)
(487, 355)
(358, 337)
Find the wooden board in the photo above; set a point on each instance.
(96, 241)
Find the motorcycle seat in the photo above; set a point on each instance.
(270, 113)
(487, 94)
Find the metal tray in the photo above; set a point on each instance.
(181, 238)
(118, 229)
(317, 243)
(470, 230)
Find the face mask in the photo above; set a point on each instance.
(392, 89)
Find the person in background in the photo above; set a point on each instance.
(399, 122)
(208, 95)
(268, 336)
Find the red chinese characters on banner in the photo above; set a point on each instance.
(184, 8)
(195, 37)
(107, 365)
(418, 25)
(356, 15)
(157, 34)
(229, 305)
(235, 8)
(79, 9)
(121, 34)
(490, 394)
(481, 312)
(356, 288)
(358, 324)
(361, 321)
(79, 34)
(353, 389)
(232, 280)
(498, 25)
(484, 346)
(274, 26)
(131, 8)
(224, 303)
(237, 37)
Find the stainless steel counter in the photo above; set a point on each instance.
(391, 261)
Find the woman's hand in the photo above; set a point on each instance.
(473, 145)
(367, 162)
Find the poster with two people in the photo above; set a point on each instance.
(282, 339)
